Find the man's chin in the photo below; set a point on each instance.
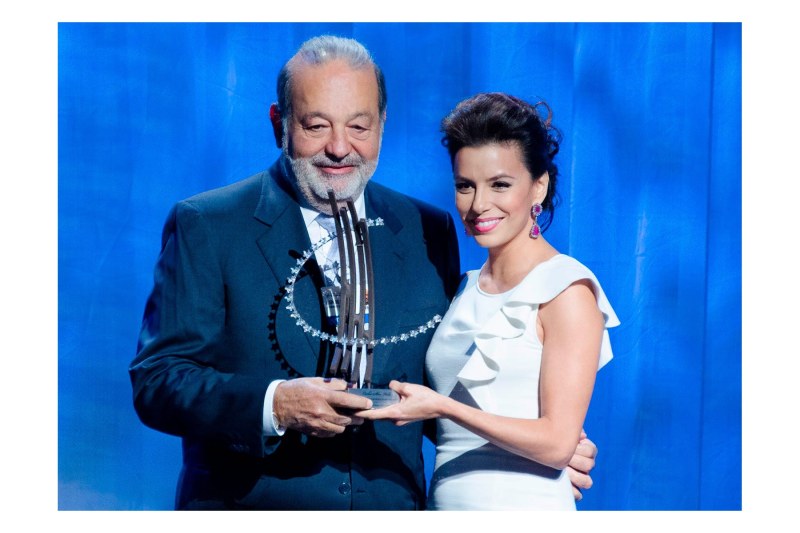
(338, 193)
(344, 186)
(314, 183)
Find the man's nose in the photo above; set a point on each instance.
(338, 146)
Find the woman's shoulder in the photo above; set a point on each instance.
(547, 279)
(551, 277)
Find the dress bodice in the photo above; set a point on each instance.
(486, 353)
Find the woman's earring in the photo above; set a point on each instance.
(536, 210)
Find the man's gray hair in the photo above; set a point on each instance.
(318, 51)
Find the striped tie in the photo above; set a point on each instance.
(330, 269)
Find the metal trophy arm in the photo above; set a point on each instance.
(369, 293)
(344, 293)
(359, 281)
(353, 325)
(356, 311)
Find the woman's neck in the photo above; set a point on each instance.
(508, 265)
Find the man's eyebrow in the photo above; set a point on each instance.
(365, 114)
(312, 114)
(320, 114)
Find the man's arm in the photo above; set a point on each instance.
(179, 385)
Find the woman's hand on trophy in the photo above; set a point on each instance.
(417, 402)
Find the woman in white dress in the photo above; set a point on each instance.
(513, 363)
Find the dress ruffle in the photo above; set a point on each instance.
(541, 285)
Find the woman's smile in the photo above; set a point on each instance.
(486, 224)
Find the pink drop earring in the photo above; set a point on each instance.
(536, 210)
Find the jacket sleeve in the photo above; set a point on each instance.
(452, 260)
(181, 385)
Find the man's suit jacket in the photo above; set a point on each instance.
(216, 332)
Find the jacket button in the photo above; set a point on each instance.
(344, 489)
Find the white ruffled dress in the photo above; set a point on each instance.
(486, 353)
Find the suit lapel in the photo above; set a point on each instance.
(285, 236)
(283, 241)
(388, 256)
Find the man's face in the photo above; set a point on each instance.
(334, 133)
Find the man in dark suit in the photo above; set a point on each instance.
(224, 364)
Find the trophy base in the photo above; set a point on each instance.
(380, 397)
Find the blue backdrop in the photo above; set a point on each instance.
(650, 200)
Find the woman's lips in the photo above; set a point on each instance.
(485, 225)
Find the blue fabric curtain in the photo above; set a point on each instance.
(650, 200)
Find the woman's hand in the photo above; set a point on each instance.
(417, 402)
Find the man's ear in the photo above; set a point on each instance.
(277, 124)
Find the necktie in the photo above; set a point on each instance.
(330, 269)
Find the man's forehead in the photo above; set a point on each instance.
(334, 85)
(334, 70)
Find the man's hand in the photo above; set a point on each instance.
(580, 465)
(317, 406)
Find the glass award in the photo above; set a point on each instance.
(352, 303)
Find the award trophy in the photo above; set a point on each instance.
(350, 307)
(355, 306)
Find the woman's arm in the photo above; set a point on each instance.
(571, 330)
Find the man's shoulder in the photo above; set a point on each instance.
(246, 191)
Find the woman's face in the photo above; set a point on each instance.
(495, 192)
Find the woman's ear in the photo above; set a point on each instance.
(540, 188)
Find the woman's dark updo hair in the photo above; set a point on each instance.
(490, 118)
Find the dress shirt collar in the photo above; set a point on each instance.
(310, 215)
